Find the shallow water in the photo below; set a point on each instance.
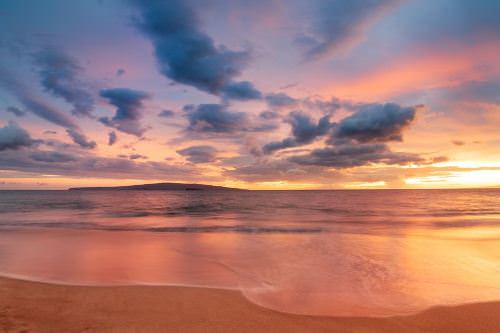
(367, 253)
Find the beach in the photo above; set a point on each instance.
(40, 307)
(212, 262)
(250, 166)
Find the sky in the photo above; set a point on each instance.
(264, 94)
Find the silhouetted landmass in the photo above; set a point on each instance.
(161, 187)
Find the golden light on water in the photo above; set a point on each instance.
(474, 178)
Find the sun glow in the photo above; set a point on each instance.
(366, 184)
(475, 178)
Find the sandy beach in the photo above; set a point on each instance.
(39, 307)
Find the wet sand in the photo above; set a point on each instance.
(39, 307)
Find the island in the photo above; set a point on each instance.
(161, 187)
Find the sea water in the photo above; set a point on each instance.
(343, 253)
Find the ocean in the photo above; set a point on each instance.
(341, 253)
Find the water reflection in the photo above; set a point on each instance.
(302, 252)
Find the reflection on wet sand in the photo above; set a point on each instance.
(315, 273)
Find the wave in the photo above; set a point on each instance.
(172, 229)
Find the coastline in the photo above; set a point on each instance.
(43, 307)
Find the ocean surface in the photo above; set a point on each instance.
(344, 253)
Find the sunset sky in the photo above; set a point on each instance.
(263, 94)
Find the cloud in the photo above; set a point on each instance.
(304, 131)
(357, 140)
(120, 72)
(355, 155)
(186, 54)
(14, 137)
(339, 24)
(40, 107)
(450, 21)
(473, 91)
(83, 163)
(215, 118)
(199, 154)
(243, 91)
(52, 157)
(438, 159)
(15, 111)
(458, 142)
(137, 156)
(376, 123)
(34, 103)
(129, 104)
(166, 114)
(269, 115)
(264, 170)
(326, 106)
(60, 75)
(80, 138)
(280, 100)
(112, 138)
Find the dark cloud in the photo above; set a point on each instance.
(269, 115)
(184, 52)
(40, 107)
(14, 137)
(129, 104)
(304, 131)
(80, 138)
(166, 114)
(458, 142)
(83, 163)
(34, 103)
(120, 72)
(137, 156)
(199, 154)
(357, 140)
(242, 91)
(112, 138)
(280, 100)
(52, 157)
(49, 132)
(376, 123)
(278, 145)
(15, 111)
(60, 75)
(355, 155)
(326, 106)
(339, 24)
(264, 170)
(215, 118)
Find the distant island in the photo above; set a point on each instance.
(161, 187)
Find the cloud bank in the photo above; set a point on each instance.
(187, 55)
(14, 137)
(60, 76)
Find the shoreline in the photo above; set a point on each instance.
(43, 307)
